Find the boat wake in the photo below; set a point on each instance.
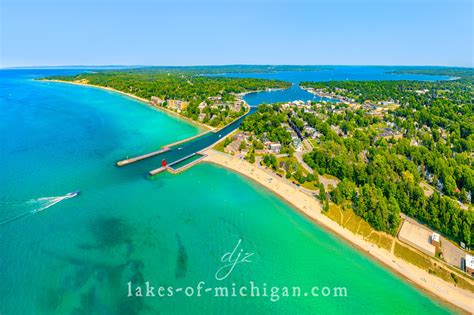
(12, 211)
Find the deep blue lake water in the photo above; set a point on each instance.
(333, 73)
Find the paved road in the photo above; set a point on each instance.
(452, 254)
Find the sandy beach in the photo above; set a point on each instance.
(196, 123)
(309, 206)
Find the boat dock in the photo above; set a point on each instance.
(142, 157)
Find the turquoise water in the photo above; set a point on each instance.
(76, 256)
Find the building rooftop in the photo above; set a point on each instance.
(469, 261)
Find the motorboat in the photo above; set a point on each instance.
(73, 194)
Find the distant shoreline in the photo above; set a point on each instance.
(445, 292)
(147, 102)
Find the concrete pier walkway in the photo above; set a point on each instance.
(141, 157)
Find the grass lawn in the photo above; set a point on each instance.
(311, 185)
(219, 146)
(412, 256)
(348, 219)
(329, 176)
(334, 213)
(314, 185)
(364, 229)
(386, 241)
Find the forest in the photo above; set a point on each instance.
(464, 74)
(382, 176)
(186, 87)
(266, 123)
(184, 84)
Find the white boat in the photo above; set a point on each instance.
(73, 194)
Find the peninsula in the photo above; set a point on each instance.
(209, 100)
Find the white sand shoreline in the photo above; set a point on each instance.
(310, 207)
(147, 102)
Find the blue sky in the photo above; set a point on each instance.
(146, 32)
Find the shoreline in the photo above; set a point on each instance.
(141, 99)
(214, 130)
(322, 96)
(206, 130)
(459, 299)
(435, 287)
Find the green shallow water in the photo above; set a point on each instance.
(77, 256)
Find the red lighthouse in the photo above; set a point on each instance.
(163, 163)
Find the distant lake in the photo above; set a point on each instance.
(333, 73)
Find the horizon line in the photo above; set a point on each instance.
(222, 65)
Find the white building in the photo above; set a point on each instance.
(469, 264)
(275, 147)
(435, 239)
